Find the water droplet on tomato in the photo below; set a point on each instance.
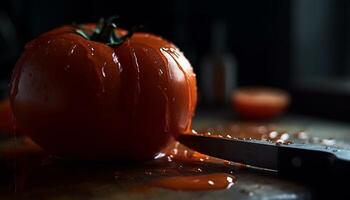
(160, 72)
(103, 69)
(138, 86)
(92, 51)
(116, 61)
(72, 49)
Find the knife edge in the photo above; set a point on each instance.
(257, 153)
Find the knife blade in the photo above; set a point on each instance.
(299, 161)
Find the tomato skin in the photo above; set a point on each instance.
(82, 99)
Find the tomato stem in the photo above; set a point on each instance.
(105, 32)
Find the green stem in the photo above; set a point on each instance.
(105, 32)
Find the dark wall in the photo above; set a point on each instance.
(257, 30)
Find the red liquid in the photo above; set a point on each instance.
(217, 181)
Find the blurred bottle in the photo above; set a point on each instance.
(218, 68)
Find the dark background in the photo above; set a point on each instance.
(301, 46)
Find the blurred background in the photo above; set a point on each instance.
(300, 46)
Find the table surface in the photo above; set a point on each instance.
(98, 183)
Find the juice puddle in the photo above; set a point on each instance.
(182, 169)
(34, 170)
(216, 181)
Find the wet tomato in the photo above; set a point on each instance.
(97, 92)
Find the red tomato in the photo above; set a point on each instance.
(99, 93)
(260, 103)
(5, 117)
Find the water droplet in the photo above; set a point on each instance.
(72, 49)
(329, 142)
(92, 51)
(185, 153)
(149, 173)
(210, 182)
(279, 142)
(273, 134)
(103, 69)
(137, 90)
(174, 151)
(116, 61)
(160, 72)
(159, 155)
(284, 136)
(228, 163)
(229, 179)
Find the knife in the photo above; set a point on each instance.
(296, 161)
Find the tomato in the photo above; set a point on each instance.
(260, 103)
(97, 92)
(5, 116)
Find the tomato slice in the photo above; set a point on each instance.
(260, 103)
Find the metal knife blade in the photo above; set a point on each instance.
(300, 161)
(257, 153)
